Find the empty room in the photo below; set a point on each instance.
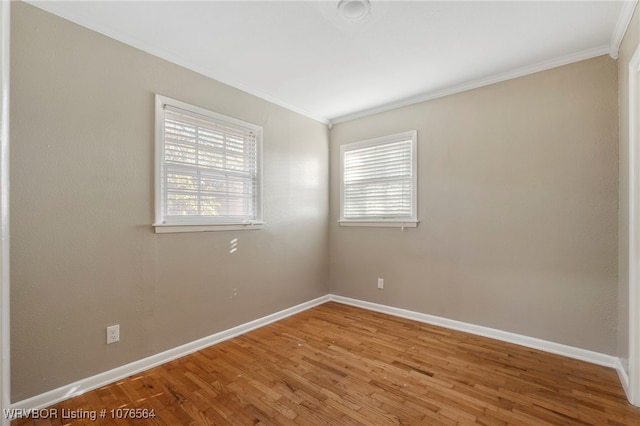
(350, 212)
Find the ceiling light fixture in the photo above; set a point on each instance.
(353, 10)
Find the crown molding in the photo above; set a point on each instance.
(67, 12)
(620, 29)
(475, 84)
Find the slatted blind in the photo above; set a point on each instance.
(378, 181)
(209, 169)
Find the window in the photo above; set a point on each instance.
(379, 181)
(208, 170)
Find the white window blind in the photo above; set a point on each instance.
(209, 171)
(379, 179)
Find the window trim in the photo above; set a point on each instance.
(159, 224)
(396, 222)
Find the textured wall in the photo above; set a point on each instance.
(83, 253)
(518, 186)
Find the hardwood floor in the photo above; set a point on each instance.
(340, 365)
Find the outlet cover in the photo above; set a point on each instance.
(113, 334)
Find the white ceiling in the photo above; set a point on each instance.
(304, 56)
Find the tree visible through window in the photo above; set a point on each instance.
(208, 167)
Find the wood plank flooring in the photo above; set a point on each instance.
(340, 365)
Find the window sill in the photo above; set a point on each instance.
(380, 223)
(182, 227)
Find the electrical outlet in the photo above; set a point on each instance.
(113, 333)
(380, 283)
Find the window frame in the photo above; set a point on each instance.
(205, 223)
(381, 221)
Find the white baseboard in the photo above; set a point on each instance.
(94, 382)
(623, 376)
(90, 383)
(505, 336)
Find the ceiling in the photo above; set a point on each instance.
(305, 56)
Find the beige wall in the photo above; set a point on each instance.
(83, 253)
(518, 208)
(517, 202)
(627, 49)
